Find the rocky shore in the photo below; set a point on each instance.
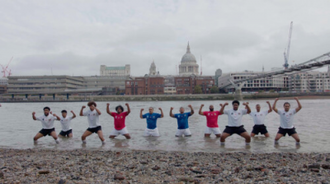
(99, 166)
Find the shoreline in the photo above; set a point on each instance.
(225, 97)
(99, 166)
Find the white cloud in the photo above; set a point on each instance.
(75, 37)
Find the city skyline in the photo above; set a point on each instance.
(74, 38)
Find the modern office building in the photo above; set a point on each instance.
(312, 81)
(47, 84)
(276, 83)
(3, 85)
(115, 71)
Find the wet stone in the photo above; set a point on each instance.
(119, 176)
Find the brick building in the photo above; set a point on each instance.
(151, 85)
(148, 85)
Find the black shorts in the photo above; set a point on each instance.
(234, 130)
(259, 129)
(94, 130)
(66, 133)
(285, 131)
(45, 132)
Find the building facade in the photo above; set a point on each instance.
(276, 83)
(188, 65)
(43, 84)
(147, 85)
(105, 81)
(115, 71)
(312, 81)
(151, 85)
(3, 85)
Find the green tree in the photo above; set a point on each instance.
(198, 90)
(271, 91)
(214, 89)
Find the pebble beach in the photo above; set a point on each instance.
(132, 166)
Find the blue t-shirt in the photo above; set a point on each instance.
(182, 120)
(151, 120)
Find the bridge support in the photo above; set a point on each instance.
(238, 90)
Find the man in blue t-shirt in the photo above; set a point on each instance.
(182, 118)
(151, 117)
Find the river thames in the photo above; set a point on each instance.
(312, 124)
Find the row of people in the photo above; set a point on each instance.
(234, 121)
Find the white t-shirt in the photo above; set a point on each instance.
(235, 117)
(287, 118)
(259, 117)
(93, 118)
(65, 122)
(47, 122)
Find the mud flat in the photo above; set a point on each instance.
(99, 166)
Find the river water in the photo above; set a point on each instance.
(312, 124)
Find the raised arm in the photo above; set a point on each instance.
(161, 112)
(57, 118)
(128, 109)
(274, 105)
(270, 107)
(247, 107)
(191, 110)
(108, 109)
(299, 105)
(223, 107)
(171, 113)
(73, 114)
(200, 110)
(82, 110)
(141, 116)
(34, 116)
(98, 111)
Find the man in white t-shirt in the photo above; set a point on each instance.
(65, 123)
(47, 122)
(259, 120)
(286, 119)
(92, 114)
(235, 122)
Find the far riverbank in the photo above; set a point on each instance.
(189, 97)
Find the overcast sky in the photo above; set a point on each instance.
(76, 37)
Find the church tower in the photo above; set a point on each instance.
(152, 69)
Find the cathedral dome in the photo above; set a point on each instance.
(188, 58)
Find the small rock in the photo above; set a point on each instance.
(317, 166)
(2, 175)
(62, 181)
(155, 168)
(185, 179)
(196, 170)
(325, 166)
(143, 162)
(315, 170)
(118, 176)
(200, 176)
(215, 171)
(253, 158)
(44, 172)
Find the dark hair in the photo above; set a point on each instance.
(121, 107)
(46, 108)
(235, 101)
(91, 103)
(64, 111)
(286, 103)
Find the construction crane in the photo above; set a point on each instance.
(287, 52)
(6, 72)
